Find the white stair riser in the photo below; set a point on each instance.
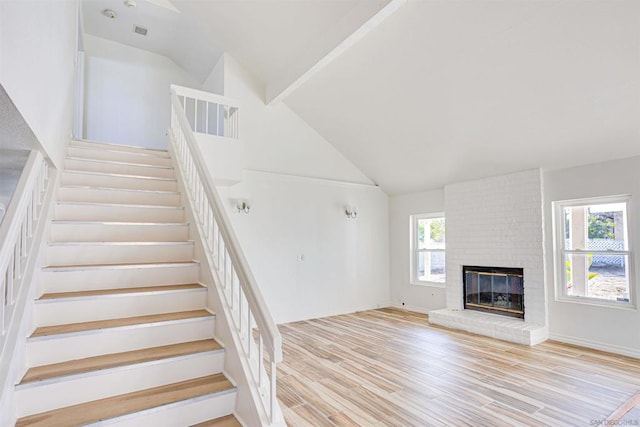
(119, 168)
(183, 414)
(80, 232)
(112, 382)
(116, 340)
(113, 181)
(119, 156)
(47, 312)
(118, 147)
(120, 253)
(118, 277)
(123, 196)
(73, 212)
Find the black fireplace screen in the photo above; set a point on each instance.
(494, 289)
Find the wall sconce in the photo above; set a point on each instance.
(351, 212)
(243, 205)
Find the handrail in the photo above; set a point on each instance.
(16, 232)
(204, 96)
(231, 270)
(211, 114)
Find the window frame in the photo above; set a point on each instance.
(560, 252)
(414, 250)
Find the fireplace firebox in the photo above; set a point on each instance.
(494, 289)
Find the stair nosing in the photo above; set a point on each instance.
(120, 175)
(119, 163)
(119, 205)
(154, 408)
(158, 408)
(106, 371)
(111, 144)
(120, 328)
(117, 243)
(92, 187)
(117, 223)
(159, 155)
(121, 266)
(118, 293)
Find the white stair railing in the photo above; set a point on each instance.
(16, 235)
(209, 113)
(251, 321)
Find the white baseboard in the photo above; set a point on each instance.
(624, 351)
(331, 313)
(374, 306)
(411, 308)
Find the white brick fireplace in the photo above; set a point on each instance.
(496, 222)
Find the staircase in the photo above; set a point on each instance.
(122, 334)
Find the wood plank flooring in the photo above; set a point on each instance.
(228, 421)
(119, 291)
(107, 361)
(116, 323)
(124, 404)
(389, 367)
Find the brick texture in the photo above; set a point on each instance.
(498, 222)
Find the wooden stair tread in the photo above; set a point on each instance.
(96, 363)
(94, 187)
(114, 323)
(119, 205)
(226, 421)
(118, 265)
(129, 403)
(121, 148)
(117, 162)
(105, 292)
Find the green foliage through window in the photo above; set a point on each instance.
(437, 230)
(602, 226)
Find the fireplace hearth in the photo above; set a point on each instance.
(495, 290)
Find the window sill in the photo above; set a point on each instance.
(428, 284)
(621, 305)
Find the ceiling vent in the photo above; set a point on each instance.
(140, 30)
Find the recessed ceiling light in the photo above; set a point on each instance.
(140, 30)
(109, 13)
(130, 3)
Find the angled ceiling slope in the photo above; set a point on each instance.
(170, 33)
(279, 40)
(447, 91)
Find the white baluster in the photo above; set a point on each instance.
(272, 395)
(9, 284)
(260, 360)
(3, 302)
(206, 120)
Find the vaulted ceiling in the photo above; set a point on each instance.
(442, 91)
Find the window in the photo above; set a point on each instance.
(594, 251)
(428, 249)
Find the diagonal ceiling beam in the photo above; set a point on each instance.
(277, 92)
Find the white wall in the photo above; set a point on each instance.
(37, 50)
(215, 82)
(278, 140)
(295, 181)
(346, 261)
(595, 326)
(415, 297)
(127, 93)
